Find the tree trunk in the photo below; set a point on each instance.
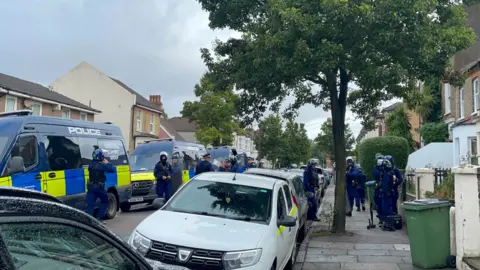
(338, 99)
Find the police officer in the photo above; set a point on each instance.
(97, 171)
(251, 163)
(226, 166)
(352, 178)
(310, 184)
(397, 181)
(360, 190)
(163, 173)
(233, 161)
(205, 165)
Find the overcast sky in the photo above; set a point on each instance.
(151, 45)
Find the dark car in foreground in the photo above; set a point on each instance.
(39, 232)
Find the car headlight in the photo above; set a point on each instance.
(139, 243)
(239, 259)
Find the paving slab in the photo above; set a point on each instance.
(370, 266)
(327, 251)
(380, 259)
(330, 258)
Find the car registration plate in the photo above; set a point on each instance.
(136, 199)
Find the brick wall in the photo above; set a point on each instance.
(47, 109)
(145, 125)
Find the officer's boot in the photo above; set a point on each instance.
(363, 207)
(358, 209)
(349, 213)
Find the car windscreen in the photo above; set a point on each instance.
(226, 200)
(142, 159)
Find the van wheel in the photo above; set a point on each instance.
(125, 207)
(112, 206)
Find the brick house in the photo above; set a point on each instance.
(138, 118)
(460, 105)
(381, 128)
(18, 94)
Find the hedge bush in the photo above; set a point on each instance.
(397, 147)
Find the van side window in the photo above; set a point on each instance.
(63, 153)
(86, 149)
(114, 151)
(189, 160)
(27, 148)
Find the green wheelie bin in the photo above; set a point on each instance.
(428, 223)
(371, 185)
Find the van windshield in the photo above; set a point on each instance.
(145, 157)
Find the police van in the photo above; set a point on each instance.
(221, 153)
(52, 155)
(183, 156)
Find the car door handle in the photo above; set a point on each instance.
(38, 176)
(51, 175)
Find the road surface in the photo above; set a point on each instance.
(124, 223)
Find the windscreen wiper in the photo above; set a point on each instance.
(247, 219)
(202, 213)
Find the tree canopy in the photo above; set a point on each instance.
(268, 140)
(313, 50)
(434, 132)
(398, 125)
(215, 113)
(295, 144)
(324, 140)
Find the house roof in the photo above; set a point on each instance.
(182, 124)
(464, 122)
(392, 107)
(142, 101)
(39, 91)
(169, 128)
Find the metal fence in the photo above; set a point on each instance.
(440, 175)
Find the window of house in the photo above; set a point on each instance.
(475, 95)
(37, 109)
(462, 103)
(139, 121)
(447, 98)
(472, 146)
(83, 116)
(66, 114)
(10, 104)
(37, 245)
(152, 123)
(63, 153)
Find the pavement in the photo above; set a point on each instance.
(358, 249)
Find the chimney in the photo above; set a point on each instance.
(157, 100)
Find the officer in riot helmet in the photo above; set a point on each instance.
(163, 173)
(97, 172)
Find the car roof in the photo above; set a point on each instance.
(18, 202)
(279, 174)
(26, 193)
(240, 179)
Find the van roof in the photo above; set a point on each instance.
(17, 122)
(162, 145)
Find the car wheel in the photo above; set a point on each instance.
(112, 206)
(125, 207)
(302, 232)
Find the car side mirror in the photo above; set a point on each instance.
(287, 221)
(234, 152)
(16, 165)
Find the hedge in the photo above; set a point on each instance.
(397, 147)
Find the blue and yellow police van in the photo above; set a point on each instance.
(183, 156)
(221, 153)
(51, 155)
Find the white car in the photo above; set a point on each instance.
(222, 221)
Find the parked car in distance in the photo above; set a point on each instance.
(38, 231)
(295, 182)
(222, 221)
